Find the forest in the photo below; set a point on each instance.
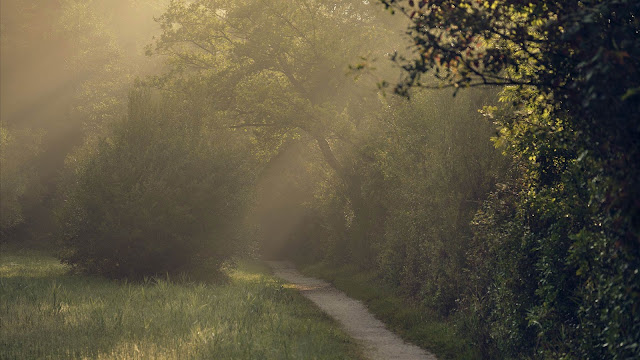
(468, 169)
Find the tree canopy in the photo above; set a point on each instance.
(279, 68)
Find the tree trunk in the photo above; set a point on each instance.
(357, 243)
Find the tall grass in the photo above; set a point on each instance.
(45, 313)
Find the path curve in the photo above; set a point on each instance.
(379, 343)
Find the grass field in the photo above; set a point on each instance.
(46, 313)
(412, 322)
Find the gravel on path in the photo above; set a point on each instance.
(379, 343)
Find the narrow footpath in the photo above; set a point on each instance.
(379, 343)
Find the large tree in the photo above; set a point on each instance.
(579, 60)
(278, 67)
(564, 255)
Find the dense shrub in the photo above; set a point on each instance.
(551, 278)
(559, 244)
(163, 193)
(18, 177)
(423, 170)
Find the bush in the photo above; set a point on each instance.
(552, 277)
(439, 168)
(18, 177)
(162, 194)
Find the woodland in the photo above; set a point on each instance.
(480, 158)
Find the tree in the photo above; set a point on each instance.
(66, 69)
(571, 71)
(580, 57)
(275, 66)
(156, 196)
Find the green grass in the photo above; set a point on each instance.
(46, 313)
(412, 322)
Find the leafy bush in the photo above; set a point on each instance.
(18, 175)
(423, 170)
(551, 276)
(438, 167)
(163, 193)
(559, 246)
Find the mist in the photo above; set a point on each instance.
(61, 61)
(467, 169)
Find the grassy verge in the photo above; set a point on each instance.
(45, 313)
(413, 323)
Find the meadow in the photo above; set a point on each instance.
(47, 312)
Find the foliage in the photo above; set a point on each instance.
(535, 253)
(66, 69)
(108, 40)
(17, 177)
(560, 240)
(421, 178)
(164, 192)
(437, 166)
(279, 69)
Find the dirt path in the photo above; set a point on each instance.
(379, 343)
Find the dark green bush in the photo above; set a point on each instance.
(551, 275)
(162, 193)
